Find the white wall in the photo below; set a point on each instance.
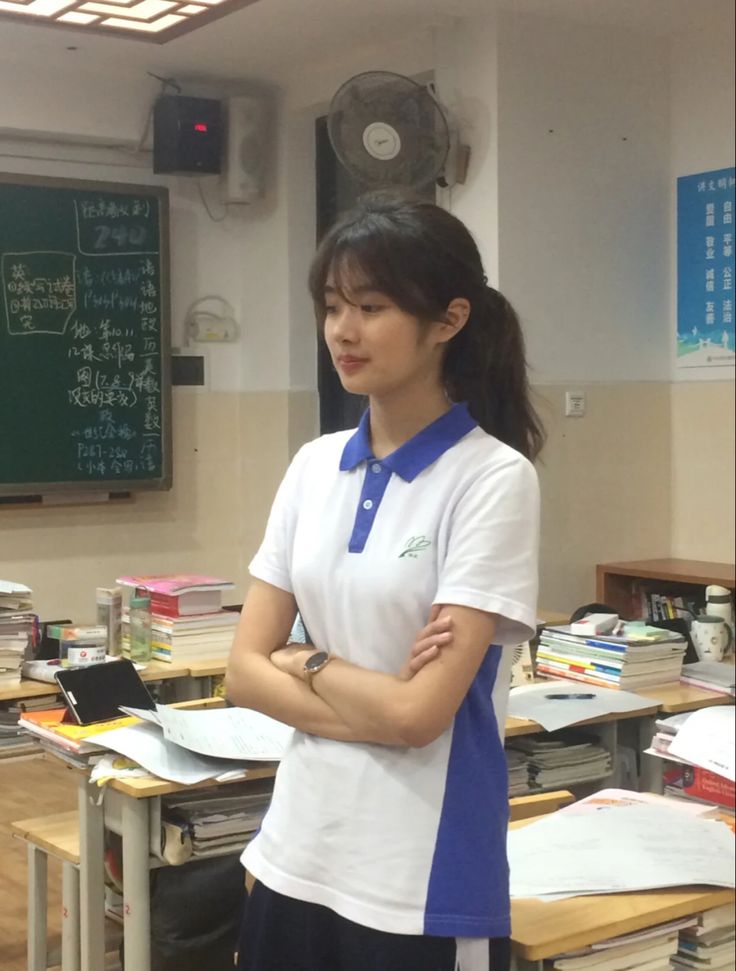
(583, 169)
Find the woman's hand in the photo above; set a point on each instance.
(428, 643)
(291, 657)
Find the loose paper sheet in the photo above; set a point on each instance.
(531, 701)
(626, 848)
(146, 745)
(225, 733)
(707, 739)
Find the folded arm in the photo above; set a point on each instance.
(348, 702)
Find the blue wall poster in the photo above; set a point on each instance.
(705, 269)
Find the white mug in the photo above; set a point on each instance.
(711, 636)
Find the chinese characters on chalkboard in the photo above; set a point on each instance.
(83, 337)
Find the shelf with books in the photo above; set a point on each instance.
(628, 587)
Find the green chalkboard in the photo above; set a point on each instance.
(85, 386)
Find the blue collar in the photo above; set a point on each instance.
(419, 452)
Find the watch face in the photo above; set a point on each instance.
(315, 662)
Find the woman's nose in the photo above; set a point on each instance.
(342, 325)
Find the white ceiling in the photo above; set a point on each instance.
(265, 40)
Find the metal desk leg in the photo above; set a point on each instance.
(91, 876)
(37, 903)
(651, 777)
(70, 917)
(136, 886)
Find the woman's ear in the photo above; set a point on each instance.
(456, 317)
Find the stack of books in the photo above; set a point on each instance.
(650, 950)
(18, 631)
(639, 657)
(710, 943)
(694, 783)
(207, 826)
(15, 741)
(187, 617)
(562, 758)
(718, 676)
(67, 740)
(518, 769)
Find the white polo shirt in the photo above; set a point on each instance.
(405, 840)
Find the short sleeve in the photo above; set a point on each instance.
(272, 562)
(492, 549)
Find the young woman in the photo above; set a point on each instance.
(409, 547)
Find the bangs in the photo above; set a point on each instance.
(365, 255)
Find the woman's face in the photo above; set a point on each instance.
(377, 348)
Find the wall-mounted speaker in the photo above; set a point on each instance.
(247, 149)
(187, 135)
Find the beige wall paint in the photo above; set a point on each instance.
(605, 485)
(230, 451)
(703, 470)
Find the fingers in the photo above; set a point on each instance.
(436, 633)
(434, 612)
(418, 661)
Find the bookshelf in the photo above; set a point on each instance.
(619, 584)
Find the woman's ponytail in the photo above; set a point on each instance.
(485, 365)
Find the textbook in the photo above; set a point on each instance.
(180, 594)
(50, 725)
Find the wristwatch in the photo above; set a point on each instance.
(314, 663)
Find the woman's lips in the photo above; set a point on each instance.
(351, 364)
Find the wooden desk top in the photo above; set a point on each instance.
(207, 667)
(146, 787)
(673, 698)
(540, 930)
(153, 671)
(28, 689)
(523, 726)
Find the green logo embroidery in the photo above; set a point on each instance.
(414, 546)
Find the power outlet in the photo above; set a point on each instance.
(574, 404)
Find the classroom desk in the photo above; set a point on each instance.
(540, 930)
(524, 726)
(128, 809)
(671, 699)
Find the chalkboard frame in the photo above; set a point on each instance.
(118, 485)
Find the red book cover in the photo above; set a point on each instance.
(703, 784)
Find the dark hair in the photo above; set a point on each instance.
(423, 257)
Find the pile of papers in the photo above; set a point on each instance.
(648, 950)
(701, 743)
(635, 847)
(718, 676)
(210, 826)
(561, 758)
(639, 657)
(518, 770)
(18, 626)
(709, 943)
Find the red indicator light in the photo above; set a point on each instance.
(200, 126)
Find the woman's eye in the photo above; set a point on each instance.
(330, 309)
(371, 308)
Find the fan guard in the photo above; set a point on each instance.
(388, 130)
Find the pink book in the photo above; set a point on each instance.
(175, 584)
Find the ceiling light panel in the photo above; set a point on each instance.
(153, 20)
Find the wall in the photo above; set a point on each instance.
(702, 71)
(231, 438)
(582, 147)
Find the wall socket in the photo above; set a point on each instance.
(574, 404)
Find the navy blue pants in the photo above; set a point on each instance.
(282, 934)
